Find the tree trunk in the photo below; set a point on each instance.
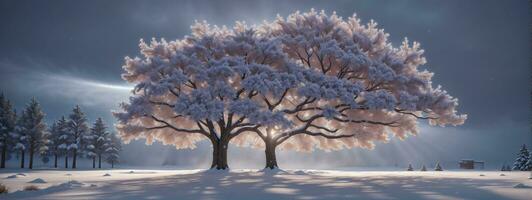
(55, 160)
(22, 159)
(31, 156)
(4, 155)
(66, 160)
(94, 162)
(112, 164)
(99, 161)
(219, 154)
(74, 159)
(271, 158)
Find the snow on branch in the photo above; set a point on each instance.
(310, 74)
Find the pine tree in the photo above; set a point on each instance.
(59, 139)
(423, 168)
(8, 119)
(438, 167)
(528, 164)
(508, 168)
(21, 142)
(410, 168)
(98, 142)
(78, 129)
(33, 129)
(522, 158)
(113, 150)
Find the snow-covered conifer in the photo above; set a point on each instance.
(99, 142)
(522, 159)
(7, 129)
(410, 168)
(33, 130)
(423, 168)
(528, 164)
(113, 150)
(78, 130)
(59, 140)
(438, 167)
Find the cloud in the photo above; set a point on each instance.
(86, 92)
(43, 81)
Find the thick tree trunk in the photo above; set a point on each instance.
(55, 160)
(66, 161)
(22, 159)
(99, 160)
(219, 155)
(93, 162)
(74, 159)
(271, 158)
(4, 155)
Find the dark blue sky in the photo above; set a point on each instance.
(71, 52)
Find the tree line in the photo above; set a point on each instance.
(26, 133)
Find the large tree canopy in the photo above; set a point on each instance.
(308, 81)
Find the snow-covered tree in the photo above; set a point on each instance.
(423, 168)
(438, 167)
(528, 164)
(112, 151)
(59, 140)
(21, 142)
(78, 130)
(308, 81)
(99, 142)
(410, 168)
(7, 127)
(522, 158)
(33, 130)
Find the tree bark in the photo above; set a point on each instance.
(31, 157)
(22, 159)
(74, 159)
(99, 161)
(4, 155)
(66, 160)
(94, 162)
(55, 160)
(219, 154)
(271, 158)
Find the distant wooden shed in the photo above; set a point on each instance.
(471, 164)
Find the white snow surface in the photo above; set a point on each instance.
(267, 184)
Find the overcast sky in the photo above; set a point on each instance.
(71, 52)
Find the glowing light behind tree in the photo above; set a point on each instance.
(304, 82)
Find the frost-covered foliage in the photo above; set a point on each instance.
(528, 164)
(98, 141)
(522, 160)
(286, 81)
(113, 148)
(78, 129)
(7, 129)
(59, 139)
(32, 130)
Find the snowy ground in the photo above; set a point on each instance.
(251, 184)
